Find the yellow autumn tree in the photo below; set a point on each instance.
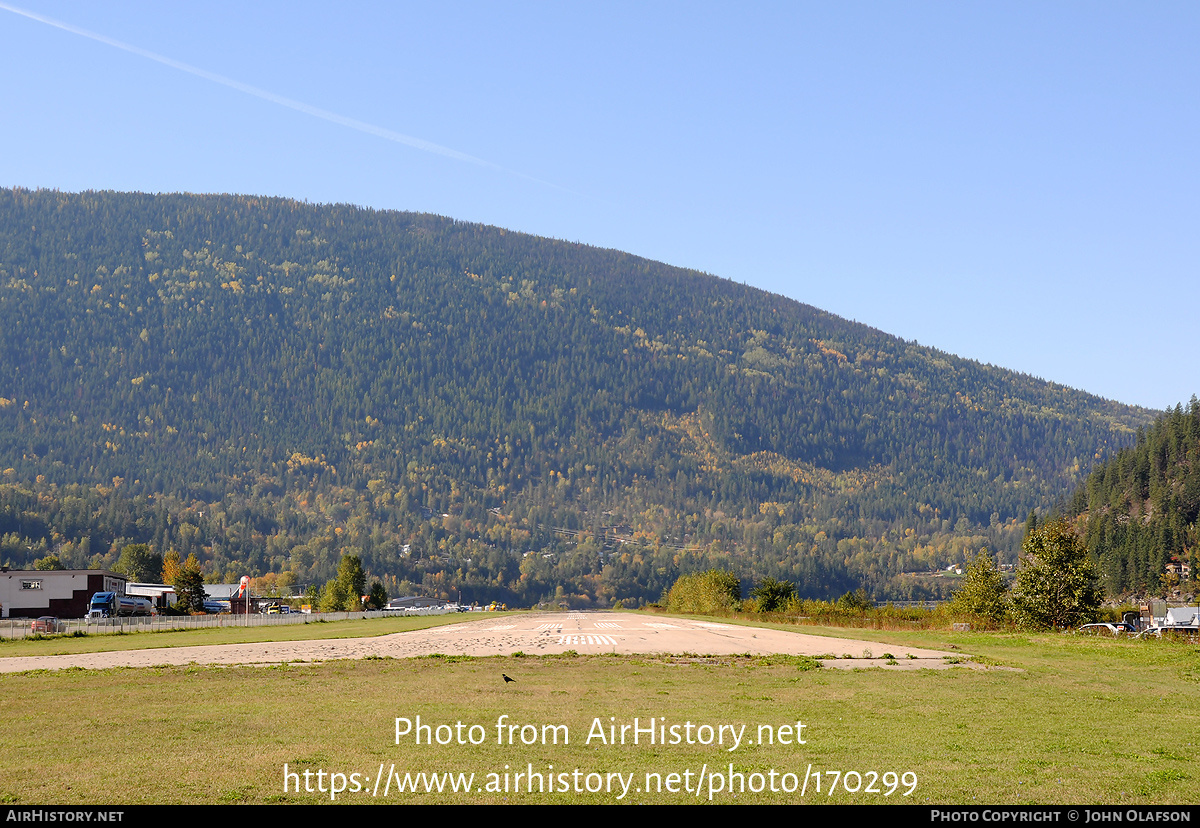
(171, 567)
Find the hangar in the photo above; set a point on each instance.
(65, 593)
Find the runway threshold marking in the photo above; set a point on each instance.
(569, 640)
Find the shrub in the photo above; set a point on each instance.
(773, 595)
(856, 601)
(705, 593)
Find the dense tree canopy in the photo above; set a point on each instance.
(1140, 507)
(272, 385)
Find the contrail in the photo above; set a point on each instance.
(299, 106)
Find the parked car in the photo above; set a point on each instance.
(46, 625)
(1104, 628)
(1180, 632)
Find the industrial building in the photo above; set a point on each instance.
(63, 593)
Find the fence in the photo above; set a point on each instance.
(22, 627)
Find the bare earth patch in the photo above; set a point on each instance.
(532, 634)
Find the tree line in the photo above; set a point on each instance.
(272, 386)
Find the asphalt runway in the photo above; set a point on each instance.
(531, 633)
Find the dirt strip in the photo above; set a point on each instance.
(532, 634)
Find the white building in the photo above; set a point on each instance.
(64, 593)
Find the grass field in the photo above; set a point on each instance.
(1069, 720)
(210, 636)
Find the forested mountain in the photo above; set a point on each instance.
(272, 384)
(1139, 508)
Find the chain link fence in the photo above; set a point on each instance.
(23, 627)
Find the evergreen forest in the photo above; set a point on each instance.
(1137, 511)
(272, 385)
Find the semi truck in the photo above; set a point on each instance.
(111, 605)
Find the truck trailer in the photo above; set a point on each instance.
(111, 605)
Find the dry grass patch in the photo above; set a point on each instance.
(1082, 721)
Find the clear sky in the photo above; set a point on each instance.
(1015, 183)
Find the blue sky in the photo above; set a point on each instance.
(1013, 183)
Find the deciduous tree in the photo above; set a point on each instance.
(140, 563)
(353, 580)
(171, 567)
(344, 593)
(704, 593)
(1056, 584)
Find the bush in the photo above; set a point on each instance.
(706, 593)
(856, 601)
(772, 595)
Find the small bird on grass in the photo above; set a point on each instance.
(507, 679)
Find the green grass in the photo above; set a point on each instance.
(41, 645)
(1072, 720)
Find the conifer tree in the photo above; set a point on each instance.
(189, 587)
(983, 593)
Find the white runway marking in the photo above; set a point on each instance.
(594, 640)
(607, 625)
(661, 626)
(499, 627)
(550, 627)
